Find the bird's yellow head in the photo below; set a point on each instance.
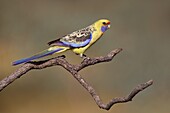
(102, 25)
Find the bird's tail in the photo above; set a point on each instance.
(44, 53)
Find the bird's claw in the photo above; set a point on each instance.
(85, 58)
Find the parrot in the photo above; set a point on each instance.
(78, 41)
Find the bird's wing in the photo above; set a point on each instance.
(78, 38)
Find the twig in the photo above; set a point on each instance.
(74, 69)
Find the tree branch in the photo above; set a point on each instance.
(74, 69)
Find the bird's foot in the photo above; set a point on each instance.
(84, 57)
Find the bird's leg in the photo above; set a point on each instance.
(84, 56)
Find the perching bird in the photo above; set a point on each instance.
(78, 41)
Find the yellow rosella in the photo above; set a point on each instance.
(78, 41)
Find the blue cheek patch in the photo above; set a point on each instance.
(103, 28)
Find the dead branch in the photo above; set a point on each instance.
(74, 69)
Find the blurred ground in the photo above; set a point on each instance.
(140, 27)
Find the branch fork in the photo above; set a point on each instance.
(74, 70)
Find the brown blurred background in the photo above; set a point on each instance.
(140, 27)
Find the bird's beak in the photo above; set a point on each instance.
(108, 26)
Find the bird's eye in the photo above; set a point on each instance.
(104, 23)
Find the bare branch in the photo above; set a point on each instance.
(128, 98)
(74, 69)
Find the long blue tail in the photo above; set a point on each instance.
(40, 55)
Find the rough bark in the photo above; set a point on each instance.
(74, 70)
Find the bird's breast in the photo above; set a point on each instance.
(95, 36)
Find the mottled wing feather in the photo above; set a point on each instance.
(78, 43)
(78, 38)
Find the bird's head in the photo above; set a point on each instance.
(102, 25)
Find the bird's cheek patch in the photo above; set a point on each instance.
(103, 28)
